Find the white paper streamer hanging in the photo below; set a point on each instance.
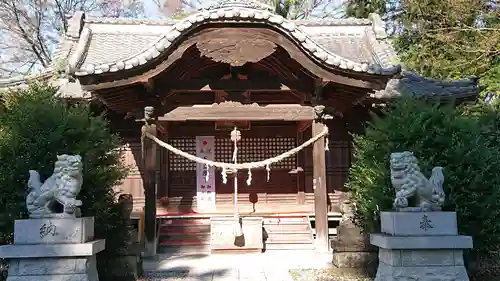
(249, 179)
(207, 175)
(224, 175)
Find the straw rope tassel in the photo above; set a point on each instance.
(235, 137)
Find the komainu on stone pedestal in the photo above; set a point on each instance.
(56, 197)
(422, 242)
(409, 183)
(55, 244)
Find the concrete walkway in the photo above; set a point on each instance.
(271, 266)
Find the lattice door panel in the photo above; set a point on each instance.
(256, 149)
(178, 163)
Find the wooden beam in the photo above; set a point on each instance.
(319, 185)
(273, 83)
(149, 179)
(234, 111)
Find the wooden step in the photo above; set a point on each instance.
(186, 221)
(184, 249)
(203, 228)
(181, 237)
(184, 236)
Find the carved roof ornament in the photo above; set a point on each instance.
(236, 51)
(320, 113)
(148, 113)
(234, 104)
(250, 4)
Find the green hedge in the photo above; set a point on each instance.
(35, 127)
(464, 140)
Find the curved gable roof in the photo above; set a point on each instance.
(113, 45)
(98, 45)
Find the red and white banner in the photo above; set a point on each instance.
(205, 185)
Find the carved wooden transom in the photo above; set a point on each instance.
(236, 51)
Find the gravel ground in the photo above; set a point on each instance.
(333, 274)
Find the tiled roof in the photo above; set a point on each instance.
(414, 85)
(98, 45)
(112, 45)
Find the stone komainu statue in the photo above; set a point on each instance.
(409, 183)
(56, 197)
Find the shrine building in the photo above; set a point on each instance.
(236, 64)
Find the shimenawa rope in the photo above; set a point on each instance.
(241, 166)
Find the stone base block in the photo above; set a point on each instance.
(65, 277)
(53, 269)
(421, 242)
(387, 272)
(419, 223)
(354, 259)
(428, 265)
(444, 257)
(16, 251)
(54, 231)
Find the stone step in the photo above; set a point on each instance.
(288, 228)
(272, 247)
(286, 220)
(290, 238)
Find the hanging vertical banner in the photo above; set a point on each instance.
(205, 178)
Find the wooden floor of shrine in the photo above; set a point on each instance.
(267, 205)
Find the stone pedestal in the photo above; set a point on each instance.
(58, 249)
(351, 248)
(420, 246)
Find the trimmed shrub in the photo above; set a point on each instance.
(35, 127)
(461, 139)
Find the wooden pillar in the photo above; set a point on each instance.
(149, 179)
(319, 184)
